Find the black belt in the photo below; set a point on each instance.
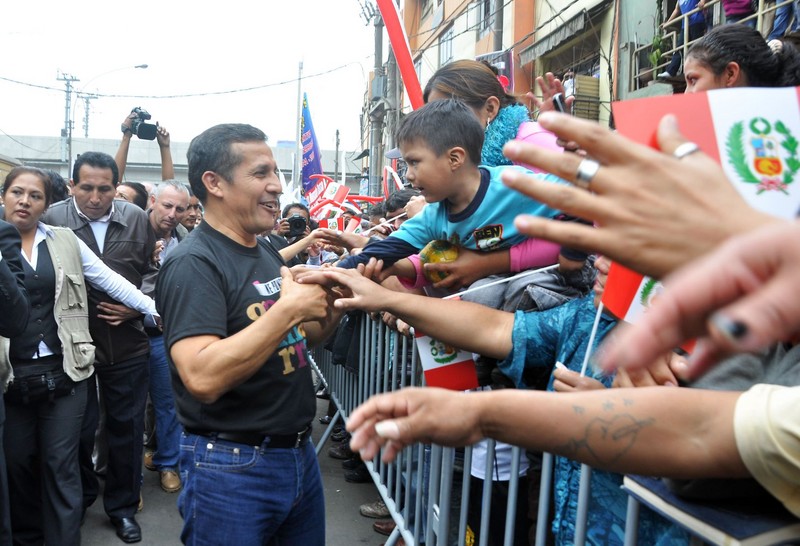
(258, 438)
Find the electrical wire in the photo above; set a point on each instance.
(26, 146)
(189, 95)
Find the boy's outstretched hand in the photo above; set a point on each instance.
(357, 289)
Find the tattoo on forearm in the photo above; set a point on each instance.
(605, 441)
(579, 410)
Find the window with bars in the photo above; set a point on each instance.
(485, 15)
(446, 47)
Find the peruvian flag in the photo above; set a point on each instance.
(354, 225)
(752, 132)
(332, 223)
(337, 193)
(445, 366)
(627, 294)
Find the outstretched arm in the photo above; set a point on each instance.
(466, 325)
(668, 432)
(167, 167)
(121, 158)
(654, 212)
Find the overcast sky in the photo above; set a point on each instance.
(191, 48)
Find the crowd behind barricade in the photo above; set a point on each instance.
(156, 325)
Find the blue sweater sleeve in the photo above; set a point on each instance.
(389, 250)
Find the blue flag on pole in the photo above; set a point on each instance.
(312, 162)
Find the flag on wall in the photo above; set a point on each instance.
(445, 366)
(312, 162)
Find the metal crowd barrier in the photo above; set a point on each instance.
(427, 488)
(418, 487)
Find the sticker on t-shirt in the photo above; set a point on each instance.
(488, 237)
(292, 349)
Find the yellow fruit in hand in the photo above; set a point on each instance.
(435, 252)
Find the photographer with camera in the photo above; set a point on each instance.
(136, 124)
(299, 241)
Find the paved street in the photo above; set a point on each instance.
(161, 522)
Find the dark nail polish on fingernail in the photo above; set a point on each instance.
(734, 330)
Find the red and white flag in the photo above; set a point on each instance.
(445, 366)
(332, 223)
(628, 294)
(752, 132)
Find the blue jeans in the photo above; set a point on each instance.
(782, 17)
(245, 495)
(695, 31)
(168, 430)
(729, 19)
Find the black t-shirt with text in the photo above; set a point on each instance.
(211, 285)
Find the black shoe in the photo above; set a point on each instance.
(127, 529)
(322, 394)
(359, 475)
(325, 419)
(352, 464)
(341, 451)
(340, 436)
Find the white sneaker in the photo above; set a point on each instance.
(664, 75)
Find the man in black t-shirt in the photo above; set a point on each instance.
(235, 328)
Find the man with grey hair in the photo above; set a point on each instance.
(169, 203)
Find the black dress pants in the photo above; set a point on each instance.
(123, 393)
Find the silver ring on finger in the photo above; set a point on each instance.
(687, 148)
(587, 169)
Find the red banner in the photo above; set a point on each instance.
(402, 51)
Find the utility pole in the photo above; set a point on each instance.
(297, 179)
(377, 113)
(336, 159)
(66, 132)
(86, 100)
(497, 27)
(393, 84)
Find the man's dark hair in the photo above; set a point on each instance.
(212, 150)
(442, 125)
(400, 199)
(291, 206)
(98, 160)
(378, 209)
(142, 197)
(60, 191)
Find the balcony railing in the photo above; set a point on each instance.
(642, 71)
